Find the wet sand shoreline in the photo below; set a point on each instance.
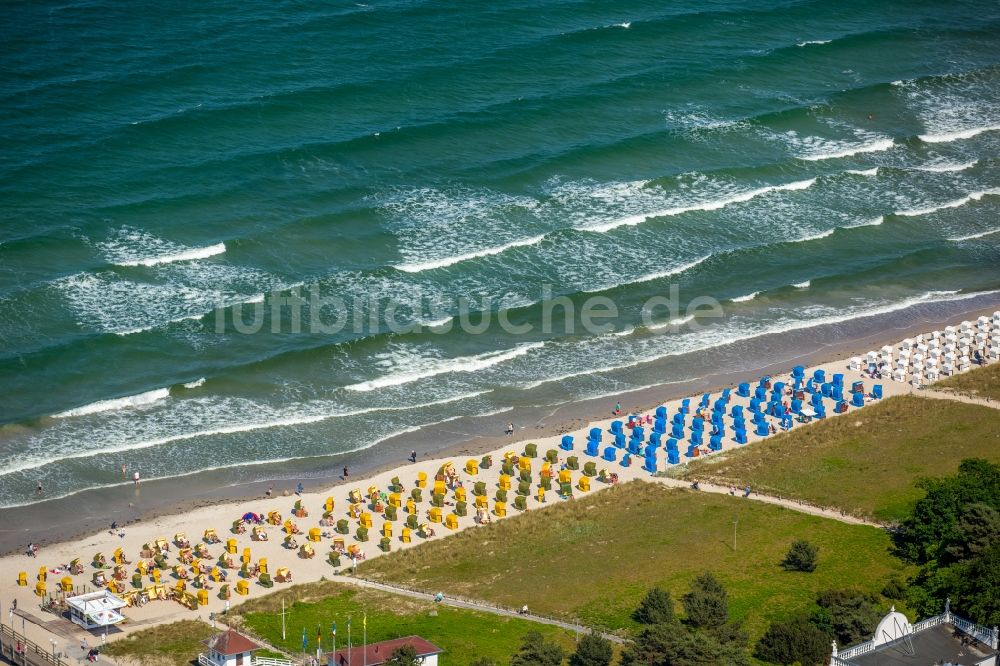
(153, 499)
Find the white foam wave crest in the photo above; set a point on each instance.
(734, 332)
(974, 196)
(195, 384)
(128, 402)
(436, 323)
(874, 222)
(436, 367)
(947, 167)
(875, 146)
(651, 276)
(714, 204)
(981, 234)
(215, 468)
(817, 236)
(673, 323)
(870, 173)
(802, 285)
(299, 419)
(743, 299)
(416, 267)
(814, 41)
(957, 135)
(190, 254)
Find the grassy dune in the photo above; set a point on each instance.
(593, 558)
(977, 383)
(864, 463)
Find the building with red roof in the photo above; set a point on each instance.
(375, 654)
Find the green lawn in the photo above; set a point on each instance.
(866, 462)
(593, 558)
(463, 635)
(978, 383)
(177, 643)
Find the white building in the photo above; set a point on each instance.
(231, 648)
(96, 609)
(943, 639)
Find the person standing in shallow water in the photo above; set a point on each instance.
(345, 471)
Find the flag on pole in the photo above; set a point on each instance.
(305, 643)
(319, 636)
(364, 621)
(333, 630)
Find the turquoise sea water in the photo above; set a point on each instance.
(804, 163)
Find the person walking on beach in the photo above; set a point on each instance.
(299, 489)
(345, 471)
(510, 429)
(124, 475)
(135, 477)
(413, 456)
(618, 409)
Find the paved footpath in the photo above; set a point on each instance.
(948, 395)
(794, 505)
(474, 605)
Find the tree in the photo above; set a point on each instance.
(657, 607)
(849, 616)
(404, 655)
(793, 641)
(932, 525)
(666, 645)
(592, 650)
(536, 651)
(801, 556)
(707, 604)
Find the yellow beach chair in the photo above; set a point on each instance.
(500, 509)
(434, 515)
(231, 546)
(451, 521)
(66, 584)
(460, 494)
(405, 535)
(504, 482)
(22, 579)
(471, 467)
(328, 505)
(421, 479)
(387, 529)
(210, 536)
(242, 587)
(583, 484)
(365, 520)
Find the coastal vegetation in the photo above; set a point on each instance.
(465, 635)
(595, 558)
(174, 644)
(976, 383)
(864, 463)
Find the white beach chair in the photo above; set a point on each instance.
(931, 375)
(899, 374)
(964, 363)
(854, 363)
(947, 369)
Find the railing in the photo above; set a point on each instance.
(31, 652)
(271, 661)
(980, 633)
(205, 661)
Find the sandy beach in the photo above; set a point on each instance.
(51, 522)
(465, 460)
